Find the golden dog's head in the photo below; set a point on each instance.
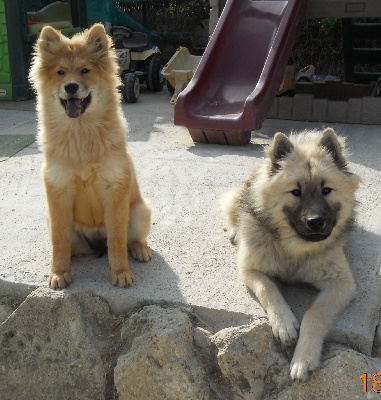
(78, 73)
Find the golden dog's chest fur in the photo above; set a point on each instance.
(88, 210)
(89, 177)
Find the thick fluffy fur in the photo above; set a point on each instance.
(90, 182)
(289, 219)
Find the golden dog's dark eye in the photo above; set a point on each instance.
(61, 72)
(85, 71)
(296, 192)
(326, 190)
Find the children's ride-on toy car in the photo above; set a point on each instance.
(138, 63)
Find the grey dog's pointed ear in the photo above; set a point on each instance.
(279, 149)
(334, 146)
(281, 146)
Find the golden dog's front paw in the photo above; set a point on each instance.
(122, 278)
(59, 280)
(140, 251)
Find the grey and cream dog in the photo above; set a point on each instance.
(290, 219)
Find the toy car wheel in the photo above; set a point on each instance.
(155, 79)
(131, 89)
(170, 88)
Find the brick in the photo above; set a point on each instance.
(216, 137)
(302, 109)
(285, 107)
(319, 110)
(371, 111)
(337, 111)
(240, 138)
(198, 135)
(354, 111)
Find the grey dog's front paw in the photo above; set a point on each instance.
(301, 369)
(306, 358)
(285, 327)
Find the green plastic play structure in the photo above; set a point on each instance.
(5, 68)
(22, 20)
(108, 11)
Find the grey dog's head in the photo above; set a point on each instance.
(313, 217)
(313, 179)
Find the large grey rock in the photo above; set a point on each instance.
(56, 345)
(376, 351)
(258, 368)
(339, 378)
(249, 358)
(66, 345)
(7, 306)
(164, 357)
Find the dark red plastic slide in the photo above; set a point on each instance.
(241, 70)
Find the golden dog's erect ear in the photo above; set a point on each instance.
(48, 38)
(98, 40)
(334, 146)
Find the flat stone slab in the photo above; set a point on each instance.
(306, 107)
(193, 261)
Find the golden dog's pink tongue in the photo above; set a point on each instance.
(73, 108)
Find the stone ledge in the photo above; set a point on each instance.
(70, 344)
(304, 107)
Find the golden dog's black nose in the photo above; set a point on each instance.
(71, 87)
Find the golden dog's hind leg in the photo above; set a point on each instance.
(138, 229)
(117, 213)
(60, 223)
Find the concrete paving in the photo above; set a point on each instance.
(193, 261)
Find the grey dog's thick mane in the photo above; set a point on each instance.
(262, 218)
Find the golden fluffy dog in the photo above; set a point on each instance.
(90, 182)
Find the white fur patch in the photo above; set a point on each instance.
(58, 175)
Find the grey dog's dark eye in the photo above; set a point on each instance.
(85, 71)
(60, 72)
(326, 190)
(296, 192)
